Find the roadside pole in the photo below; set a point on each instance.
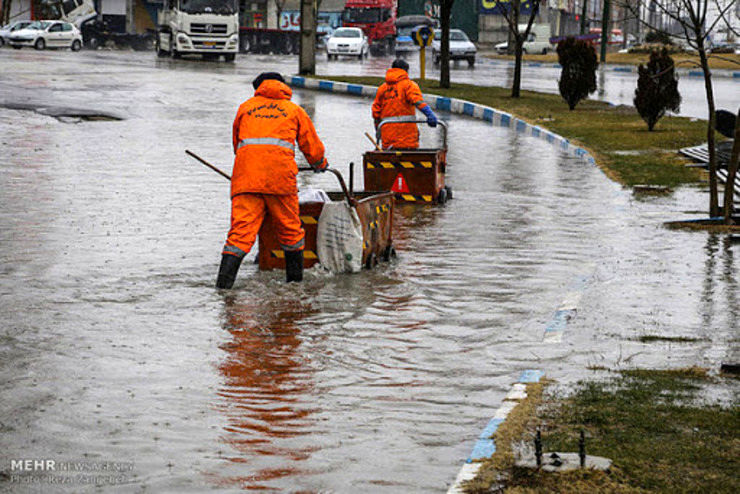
(307, 57)
(604, 31)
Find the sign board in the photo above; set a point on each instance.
(499, 7)
(423, 36)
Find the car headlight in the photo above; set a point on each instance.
(183, 39)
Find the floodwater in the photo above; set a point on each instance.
(116, 348)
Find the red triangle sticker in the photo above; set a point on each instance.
(399, 185)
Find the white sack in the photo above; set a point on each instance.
(339, 238)
(312, 195)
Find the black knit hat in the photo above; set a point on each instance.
(399, 63)
(264, 76)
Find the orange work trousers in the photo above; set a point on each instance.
(248, 212)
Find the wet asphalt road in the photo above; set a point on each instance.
(115, 347)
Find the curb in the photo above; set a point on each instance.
(453, 105)
(485, 445)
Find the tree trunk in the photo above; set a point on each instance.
(307, 58)
(732, 167)
(584, 13)
(444, 69)
(713, 193)
(518, 52)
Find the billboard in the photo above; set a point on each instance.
(498, 7)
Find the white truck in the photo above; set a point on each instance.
(95, 32)
(206, 27)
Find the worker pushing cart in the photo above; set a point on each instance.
(398, 164)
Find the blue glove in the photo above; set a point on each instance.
(431, 117)
(321, 167)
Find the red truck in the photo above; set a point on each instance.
(377, 18)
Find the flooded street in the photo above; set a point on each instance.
(116, 347)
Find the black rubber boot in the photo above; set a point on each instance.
(227, 271)
(293, 265)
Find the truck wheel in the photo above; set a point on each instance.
(229, 57)
(471, 62)
(40, 44)
(76, 45)
(93, 43)
(442, 197)
(372, 261)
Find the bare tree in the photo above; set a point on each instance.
(732, 170)
(279, 4)
(445, 12)
(511, 12)
(693, 27)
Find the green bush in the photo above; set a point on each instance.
(578, 77)
(657, 88)
(658, 37)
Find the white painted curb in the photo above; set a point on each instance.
(453, 105)
(485, 446)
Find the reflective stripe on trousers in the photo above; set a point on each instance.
(296, 246)
(273, 141)
(233, 250)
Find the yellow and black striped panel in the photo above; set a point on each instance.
(413, 198)
(307, 254)
(399, 164)
(382, 208)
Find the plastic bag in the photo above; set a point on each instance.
(339, 238)
(312, 195)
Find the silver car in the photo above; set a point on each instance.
(461, 48)
(9, 28)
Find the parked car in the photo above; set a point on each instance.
(461, 48)
(47, 34)
(9, 28)
(405, 26)
(347, 41)
(538, 40)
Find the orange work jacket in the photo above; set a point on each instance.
(399, 96)
(265, 132)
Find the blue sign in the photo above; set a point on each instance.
(499, 7)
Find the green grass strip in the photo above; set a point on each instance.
(662, 429)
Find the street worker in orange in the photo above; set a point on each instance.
(396, 100)
(266, 129)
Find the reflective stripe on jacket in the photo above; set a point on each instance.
(398, 96)
(266, 129)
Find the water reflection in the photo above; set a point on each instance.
(719, 287)
(266, 381)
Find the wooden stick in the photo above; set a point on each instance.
(377, 148)
(226, 175)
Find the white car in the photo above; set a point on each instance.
(9, 28)
(347, 41)
(47, 34)
(461, 48)
(538, 40)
